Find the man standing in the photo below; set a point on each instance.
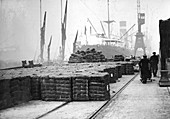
(154, 63)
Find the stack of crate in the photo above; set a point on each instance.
(99, 88)
(25, 91)
(80, 88)
(35, 88)
(119, 67)
(112, 76)
(15, 90)
(20, 89)
(5, 96)
(63, 88)
(123, 67)
(48, 89)
(129, 69)
(116, 73)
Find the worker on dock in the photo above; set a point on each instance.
(154, 63)
(144, 65)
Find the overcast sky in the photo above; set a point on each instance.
(20, 21)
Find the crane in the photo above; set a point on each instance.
(97, 34)
(74, 44)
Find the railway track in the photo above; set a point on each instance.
(58, 107)
(94, 114)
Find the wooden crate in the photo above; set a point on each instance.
(112, 74)
(5, 96)
(129, 69)
(25, 88)
(48, 89)
(119, 71)
(20, 90)
(63, 88)
(116, 73)
(15, 90)
(99, 88)
(35, 88)
(123, 66)
(80, 88)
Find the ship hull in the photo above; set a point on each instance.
(108, 51)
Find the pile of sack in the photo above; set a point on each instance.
(87, 56)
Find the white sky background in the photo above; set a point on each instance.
(20, 21)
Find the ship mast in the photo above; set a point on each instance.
(108, 20)
(40, 13)
(63, 29)
(41, 55)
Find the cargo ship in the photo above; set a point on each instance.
(109, 45)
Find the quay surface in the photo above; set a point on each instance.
(140, 101)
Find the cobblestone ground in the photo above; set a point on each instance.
(140, 101)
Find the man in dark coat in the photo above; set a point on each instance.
(144, 65)
(154, 63)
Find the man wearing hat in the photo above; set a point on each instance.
(144, 65)
(154, 63)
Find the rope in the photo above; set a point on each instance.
(90, 10)
(36, 50)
